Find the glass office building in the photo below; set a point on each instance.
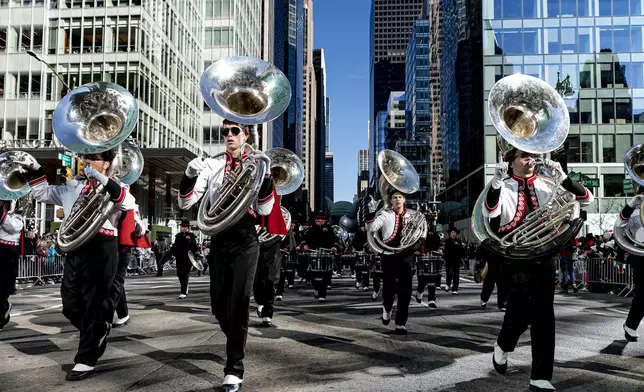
(593, 53)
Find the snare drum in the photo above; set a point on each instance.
(428, 264)
(376, 263)
(362, 259)
(320, 260)
(348, 258)
(287, 261)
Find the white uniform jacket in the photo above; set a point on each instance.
(387, 222)
(211, 178)
(10, 229)
(512, 203)
(66, 196)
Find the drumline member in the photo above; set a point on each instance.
(11, 229)
(320, 236)
(131, 235)
(184, 242)
(508, 201)
(636, 313)
(453, 253)
(89, 271)
(359, 244)
(397, 269)
(289, 256)
(234, 252)
(432, 281)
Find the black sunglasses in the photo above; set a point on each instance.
(235, 130)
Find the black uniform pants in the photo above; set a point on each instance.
(87, 280)
(495, 276)
(362, 275)
(183, 272)
(531, 303)
(264, 286)
(397, 279)
(452, 273)
(160, 257)
(117, 294)
(377, 280)
(233, 260)
(431, 281)
(287, 273)
(636, 313)
(9, 256)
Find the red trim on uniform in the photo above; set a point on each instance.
(37, 180)
(266, 199)
(518, 216)
(372, 220)
(585, 196)
(4, 216)
(187, 195)
(487, 207)
(8, 243)
(393, 234)
(121, 196)
(621, 215)
(107, 232)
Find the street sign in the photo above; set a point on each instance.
(627, 185)
(67, 160)
(590, 182)
(574, 176)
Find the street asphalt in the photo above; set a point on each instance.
(340, 345)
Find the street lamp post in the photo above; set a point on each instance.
(34, 55)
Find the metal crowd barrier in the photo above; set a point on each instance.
(607, 274)
(39, 269)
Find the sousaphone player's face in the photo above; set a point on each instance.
(523, 164)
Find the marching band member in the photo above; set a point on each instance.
(184, 242)
(509, 200)
(234, 252)
(453, 253)
(287, 274)
(320, 236)
(131, 235)
(636, 313)
(432, 244)
(11, 228)
(359, 244)
(89, 271)
(397, 269)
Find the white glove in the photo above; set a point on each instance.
(90, 172)
(372, 205)
(29, 163)
(500, 172)
(636, 201)
(195, 167)
(554, 167)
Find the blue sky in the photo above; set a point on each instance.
(341, 28)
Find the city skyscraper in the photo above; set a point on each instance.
(152, 49)
(231, 28)
(363, 172)
(321, 128)
(289, 57)
(328, 179)
(310, 153)
(391, 23)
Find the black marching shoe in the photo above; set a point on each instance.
(500, 368)
(541, 386)
(6, 317)
(230, 384)
(386, 317)
(79, 372)
(630, 334)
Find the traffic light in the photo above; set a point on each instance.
(65, 172)
(80, 169)
(436, 214)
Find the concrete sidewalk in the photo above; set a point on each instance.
(341, 345)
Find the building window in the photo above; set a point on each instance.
(608, 148)
(613, 185)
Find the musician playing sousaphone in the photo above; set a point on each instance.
(11, 238)
(398, 267)
(234, 252)
(536, 118)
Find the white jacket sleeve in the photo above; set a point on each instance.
(494, 210)
(265, 206)
(48, 194)
(191, 197)
(376, 223)
(11, 223)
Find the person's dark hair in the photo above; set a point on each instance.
(246, 128)
(109, 155)
(392, 192)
